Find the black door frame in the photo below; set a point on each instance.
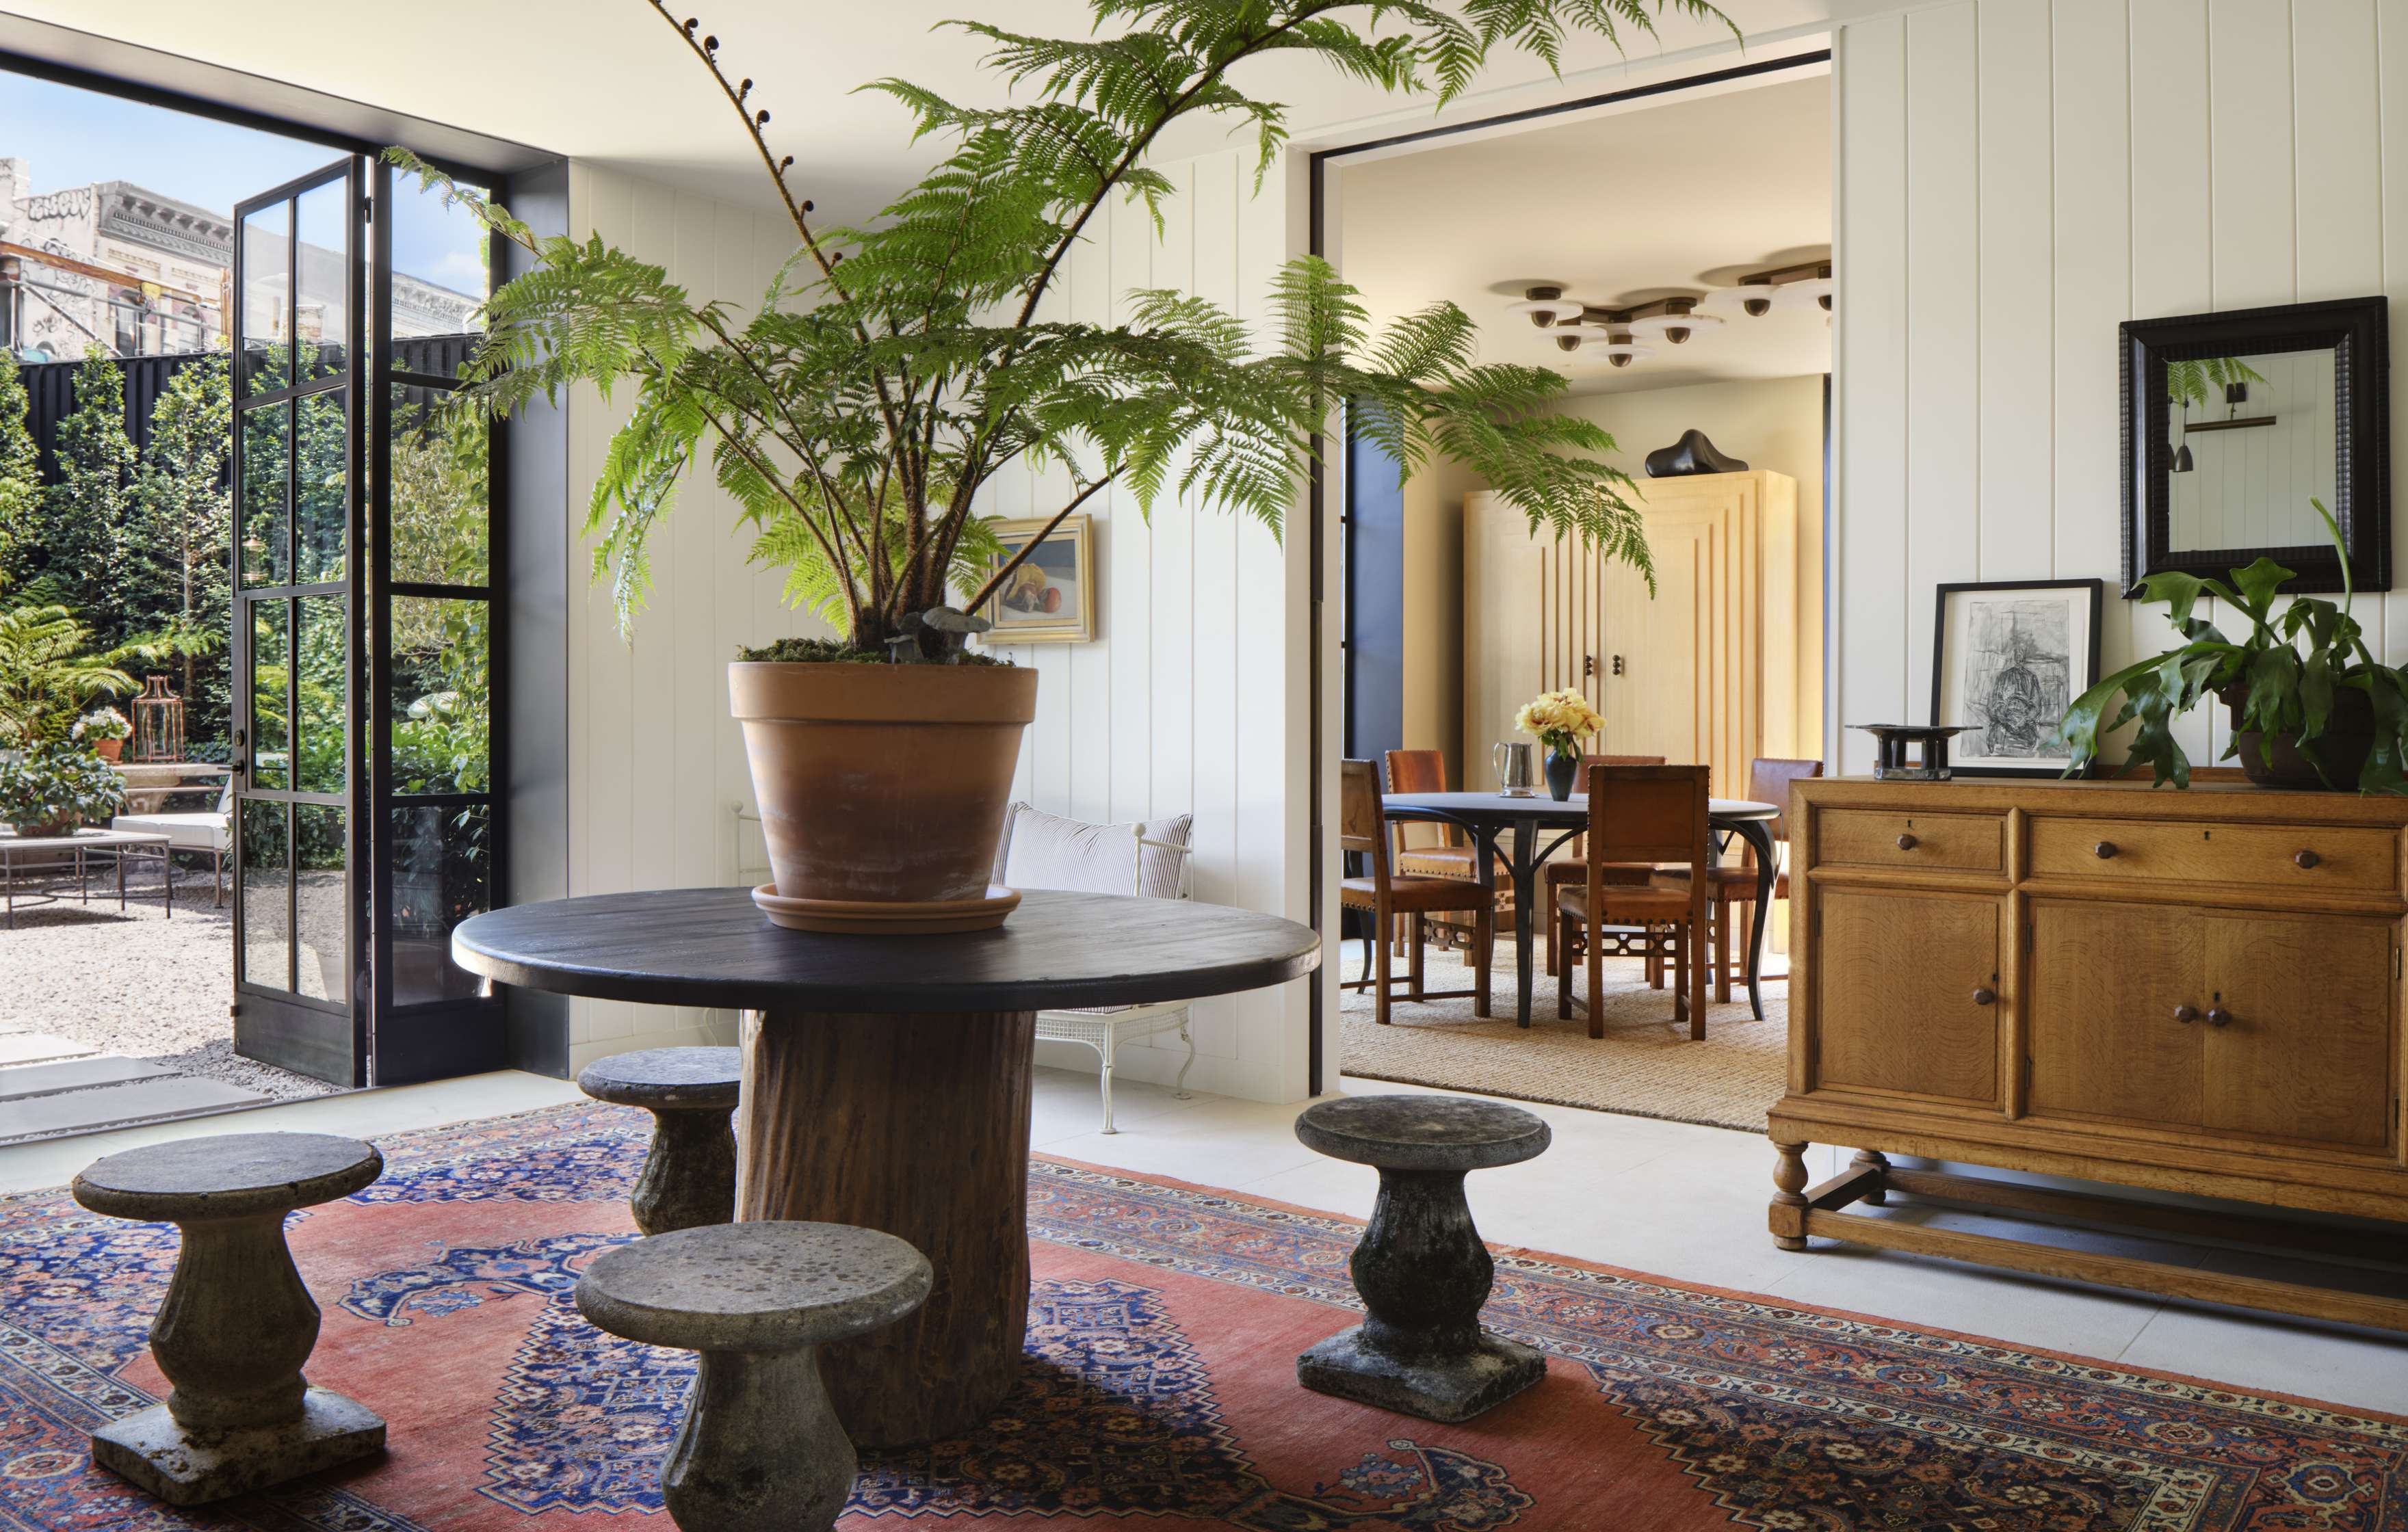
(1317, 488)
(322, 1039)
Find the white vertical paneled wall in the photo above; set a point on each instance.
(2015, 177)
(1193, 696)
(656, 768)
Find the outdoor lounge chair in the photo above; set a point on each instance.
(209, 833)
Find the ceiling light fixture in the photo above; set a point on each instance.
(1758, 291)
(1547, 306)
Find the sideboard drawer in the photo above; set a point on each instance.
(2348, 857)
(1872, 838)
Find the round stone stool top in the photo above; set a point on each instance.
(1422, 1132)
(667, 1079)
(228, 1176)
(753, 1287)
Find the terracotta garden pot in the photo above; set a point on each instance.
(109, 749)
(2344, 747)
(882, 789)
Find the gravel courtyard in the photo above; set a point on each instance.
(136, 984)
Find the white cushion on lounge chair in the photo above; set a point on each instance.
(184, 832)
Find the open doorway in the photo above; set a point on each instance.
(244, 576)
(1670, 257)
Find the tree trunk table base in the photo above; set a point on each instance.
(917, 1126)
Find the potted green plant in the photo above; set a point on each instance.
(1559, 720)
(893, 370)
(56, 788)
(105, 730)
(2312, 708)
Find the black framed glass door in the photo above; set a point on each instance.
(299, 333)
(434, 639)
(366, 637)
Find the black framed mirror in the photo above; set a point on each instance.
(2235, 421)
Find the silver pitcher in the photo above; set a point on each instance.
(1518, 770)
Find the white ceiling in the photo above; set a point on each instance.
(1659, 200)
(608, 80)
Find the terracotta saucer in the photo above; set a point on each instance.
(877, 917)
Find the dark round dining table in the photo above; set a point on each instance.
(886, 1081)
(1487, 815)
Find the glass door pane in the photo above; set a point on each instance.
(299, 330)
(436, 821)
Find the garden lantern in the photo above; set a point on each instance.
(158, 722)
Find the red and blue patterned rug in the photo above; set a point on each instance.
(1160, 1386)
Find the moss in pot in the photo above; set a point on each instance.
(2310, 706)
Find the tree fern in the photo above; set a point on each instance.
(893, 370)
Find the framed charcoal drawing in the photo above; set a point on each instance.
(1050, 598)
(2007, 657)
(2235, 422)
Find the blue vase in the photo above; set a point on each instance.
(1563, 771)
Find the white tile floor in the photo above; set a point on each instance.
(1660, 1198)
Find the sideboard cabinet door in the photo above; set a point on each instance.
(2304, 1051)
(2111, 987)
(1898, 993)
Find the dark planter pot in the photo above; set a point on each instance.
(2344, 747)
(1563, 771)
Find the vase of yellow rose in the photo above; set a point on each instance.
(1560, 721)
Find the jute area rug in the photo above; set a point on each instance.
(1158, 1389)
(1644, 1065)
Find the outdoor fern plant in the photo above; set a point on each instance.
(893, 369)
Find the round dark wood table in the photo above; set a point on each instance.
(886, 1081)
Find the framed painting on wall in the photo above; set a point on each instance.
(1050, 598)
(2007, 658)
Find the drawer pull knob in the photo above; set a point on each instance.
(2185, 1014)
(2105, 850)
(1983, 995)
(2219, 1016)
(1906, 843)
(2307, 860)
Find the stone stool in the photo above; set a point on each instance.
(760, 1449)
(236, 1323)
(689, 1178)
(1420, 1268)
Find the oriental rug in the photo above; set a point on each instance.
(1159, 1389)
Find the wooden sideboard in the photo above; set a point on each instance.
(2194, 992)
(1705, 671)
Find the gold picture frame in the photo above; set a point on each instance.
(1051, 599)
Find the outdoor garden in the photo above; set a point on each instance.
(120, 552)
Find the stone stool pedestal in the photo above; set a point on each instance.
(236, 1323)
(760, 1449)
(1421, 1269)
(689, 1178)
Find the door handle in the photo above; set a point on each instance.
(1983, 994)
(2219, 1016)
(2185, 1014)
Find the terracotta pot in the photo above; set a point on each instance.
(109, 749)
(882, 789)
(2344, 747)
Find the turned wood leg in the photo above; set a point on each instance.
(1594, 940)
(918, 1126)
(1415, 975)
(1873, 1159)
(1484, 955)
(1722, 951)
(1379, 965)
(1788, 1217)
(1563, 965)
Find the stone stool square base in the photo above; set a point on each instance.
(185, 1467)
(1447, 1389)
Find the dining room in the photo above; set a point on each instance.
(1696, 341)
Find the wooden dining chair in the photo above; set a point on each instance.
(1566, 870)
(1654, 817)
(1386, 894)
(1768, 782)
(1429, 849)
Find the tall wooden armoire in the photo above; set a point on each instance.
(1705, 671)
